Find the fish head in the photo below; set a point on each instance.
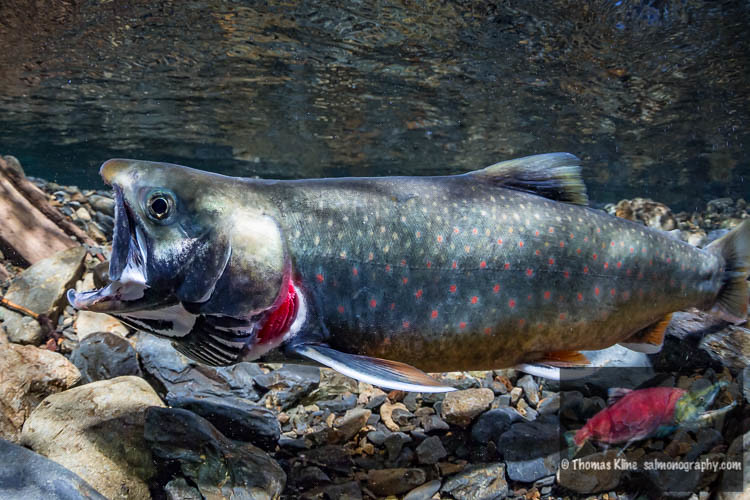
(187, 241)
(694, 403)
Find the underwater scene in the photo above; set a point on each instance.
(374, 249)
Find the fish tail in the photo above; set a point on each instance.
(732, 300)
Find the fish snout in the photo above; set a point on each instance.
(111, 168)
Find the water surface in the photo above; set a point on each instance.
(653, 96)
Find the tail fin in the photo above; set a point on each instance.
(734, 247)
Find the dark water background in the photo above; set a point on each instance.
(652, 95)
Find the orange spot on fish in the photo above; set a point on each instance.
(580, 297)
(355, 271)
(455, 230)
(487, 331)
(566, 274)
(585, 269)
(393, 306)
(551, 262)
(529, 272)
(511, 303)
(454, 265)
(340, 309)
(496, 288)
(520, 244)
(482, 265)
(373, 303)
(547, 295)
(562, 244)
(474, 299)
(419, 293)
(429, 264)
(405, 324)
(606, 265)
(319, 277)
(419, 234)
(551, 230)
(499, 241)
(619, 265)
(585, 239)
(536, 233)
(578, 251)
(452, 288)
(387, 268)
(571, 236)
(440, 238)
(537, 252)
(612, 292)
(434, 314)
(404, 280)
(563, 315)
(475, 231)
(596, 291)
(506, 266)
(612, 243)
(462, 325)
(403, 262)
(594, 256)
(632, 249)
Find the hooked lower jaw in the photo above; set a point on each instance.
(128, 289)
(115, 297)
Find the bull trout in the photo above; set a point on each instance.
(385, 278)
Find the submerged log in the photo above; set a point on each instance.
(26, 234)
(10, 169)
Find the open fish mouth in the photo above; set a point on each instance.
(128, 289)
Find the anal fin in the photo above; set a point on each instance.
(375, 371)
(565, 359)
(650, 339)
(559, 365)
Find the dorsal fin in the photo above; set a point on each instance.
(614, 394)
(556, 176)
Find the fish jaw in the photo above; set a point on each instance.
(128, 289)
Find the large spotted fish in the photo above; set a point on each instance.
(384, 278)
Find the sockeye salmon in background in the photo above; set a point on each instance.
(651, 412)
(384, 278)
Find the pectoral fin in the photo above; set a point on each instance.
(375, 371)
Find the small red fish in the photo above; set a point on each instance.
(635, 415)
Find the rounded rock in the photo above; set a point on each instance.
(461, 407)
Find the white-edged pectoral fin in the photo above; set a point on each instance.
(375, 371)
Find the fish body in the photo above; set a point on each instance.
(642, 413)
(637, 415)
(380, 278)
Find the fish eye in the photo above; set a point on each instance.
(159, 205)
